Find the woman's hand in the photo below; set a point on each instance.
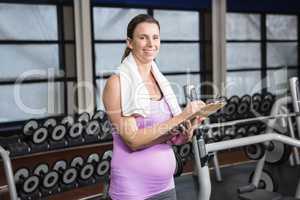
(193, 107)
(186, 132)
(190, 127)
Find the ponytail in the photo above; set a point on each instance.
(126, 53)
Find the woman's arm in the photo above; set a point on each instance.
(126, 126)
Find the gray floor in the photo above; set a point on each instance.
(235, 176)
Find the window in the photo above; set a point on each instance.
(30, 54)
(243, 54)
(262, 52)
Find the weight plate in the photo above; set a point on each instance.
(21, 173)
(69, 176)
(76, 130)
(67, 121)
(266, 182)
(58, 132)
(30, 126)
(31, 184)
(87, 171)
(179, 165)
(254, 151)
(50, 179)
(185, 150)
(41, 169)
(93, 158)
(103, 167)
(60, 165)
(40, 135)
(77, 161)
(93, 128)
(277, 153)
(51, 122)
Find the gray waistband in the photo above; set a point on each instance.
(167, 195)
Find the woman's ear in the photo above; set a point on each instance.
(129, 43)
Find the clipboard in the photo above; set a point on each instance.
(209, 109)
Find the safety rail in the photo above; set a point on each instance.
(9, 174)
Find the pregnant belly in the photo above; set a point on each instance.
(157, 161)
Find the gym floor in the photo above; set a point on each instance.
(236, 176)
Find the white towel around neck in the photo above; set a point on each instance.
(135, 98)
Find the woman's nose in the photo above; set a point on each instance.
(150, 43)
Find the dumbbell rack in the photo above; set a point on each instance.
(9, 174)
(8, 166)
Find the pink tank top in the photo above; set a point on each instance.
(136, 175)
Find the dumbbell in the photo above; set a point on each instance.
(185, 151)
(38, 142)
(179, 164)
(67, 175)
(83, 118)
(68, 121)
(229, 133)
(48, 179)
(103, 167)
(37, 136)
(84, 171)
(230, 109)
(26, 184)
(216, 133)
(255, 104)
(92, 132)
(75, 134)
(253, 129)
(57, 137)
(244, 107)
(94, 159)
(241, 131)
(267, 103)
(100, 115)
(77, 129)
(105, 125)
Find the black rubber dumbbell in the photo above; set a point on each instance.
(75, 135)
(103, 167)
(85, 172)
(105, 125)
(38, 142)
(57, 137)
(48, 179)
(94, 160)
(67, 175)
(27, 184)
(92, 132)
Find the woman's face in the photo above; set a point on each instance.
(145, 42)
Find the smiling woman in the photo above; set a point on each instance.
(143, 108)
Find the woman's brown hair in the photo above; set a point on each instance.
(133, 24)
